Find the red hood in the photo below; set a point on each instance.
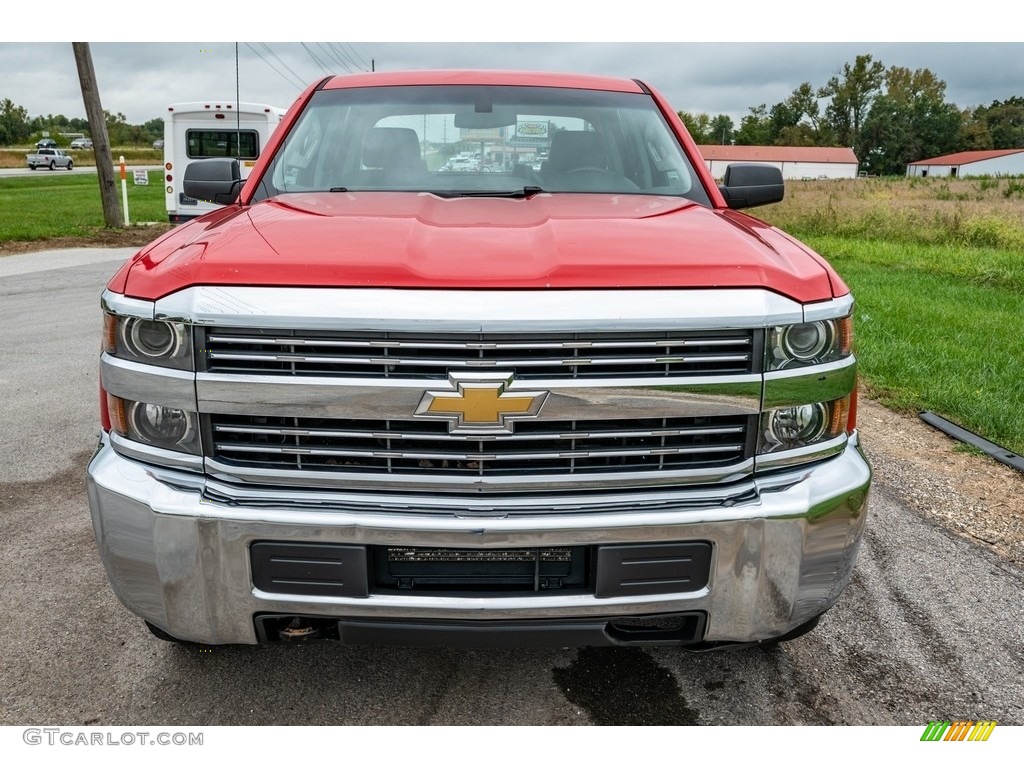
(410, 240)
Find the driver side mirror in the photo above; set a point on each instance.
(216, 181)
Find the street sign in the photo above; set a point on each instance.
(141, 176)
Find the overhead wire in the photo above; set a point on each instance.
(319, 63)
(303, 80)
(339, 47)
(331, 56)
(363, 59)
(269, 64)
(325, 57)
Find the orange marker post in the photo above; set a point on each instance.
(124, 190)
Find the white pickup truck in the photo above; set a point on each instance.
(50, 158)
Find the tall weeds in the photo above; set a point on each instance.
(966, 212)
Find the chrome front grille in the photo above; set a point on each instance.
(425, 448)
(352, 354)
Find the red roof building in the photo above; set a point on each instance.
(794, 162)
(981, 162)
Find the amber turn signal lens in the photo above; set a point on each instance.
(109, 333)
(840, 416)
(844, 332)
(118, 417)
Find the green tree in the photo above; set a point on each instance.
(154, 128)
(698, 125)
(799, 135)
(975, 133)
(851, 93)
(722, 130)
(117, 128)
(909, 121)
(15, 127)
(1005, 121)
(783, 119)
(755, 128)
(804, 100)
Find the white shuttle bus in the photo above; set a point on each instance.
(196, 130)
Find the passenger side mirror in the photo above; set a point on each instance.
(750, 184)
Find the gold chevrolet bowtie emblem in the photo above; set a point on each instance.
(480, 403)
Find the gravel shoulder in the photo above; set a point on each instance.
(974, 496)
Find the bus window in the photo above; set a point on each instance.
(222, 144)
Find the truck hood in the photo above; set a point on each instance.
(420, 240)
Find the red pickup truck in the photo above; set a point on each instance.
(380, 399)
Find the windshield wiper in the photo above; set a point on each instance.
(527, 191)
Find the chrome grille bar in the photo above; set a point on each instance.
(223, 448)
(471, 345)
(410, 448)
(384, 355)
(474, 363)
(408, 435)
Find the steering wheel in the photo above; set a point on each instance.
(589, 169)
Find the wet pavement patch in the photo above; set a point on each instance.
(624, 686)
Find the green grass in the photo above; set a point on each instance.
(939, 328)
(59, 204)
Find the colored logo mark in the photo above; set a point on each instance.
(958, 730)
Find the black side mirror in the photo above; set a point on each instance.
(216, 181)
(750, 184)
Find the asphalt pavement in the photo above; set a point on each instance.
(77, 169)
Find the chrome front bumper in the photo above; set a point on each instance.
(178, 556)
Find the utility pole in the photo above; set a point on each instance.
(98, 131)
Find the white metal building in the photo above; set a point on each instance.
(794, 162)
(981, 162)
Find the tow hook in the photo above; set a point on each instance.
(298, 629)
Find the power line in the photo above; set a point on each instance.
(343, 54)
(347, 62)
(315, 59)
(300, 78)
(329, 52)
(350, 57)
(363, 59)
(328, 56)
(264, 60)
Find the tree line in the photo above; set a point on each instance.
(18, 128)
(890, 117)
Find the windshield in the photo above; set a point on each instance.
(481, 140)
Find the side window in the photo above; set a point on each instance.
(667, 166)
(295, 167)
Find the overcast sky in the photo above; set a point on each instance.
(141, 79)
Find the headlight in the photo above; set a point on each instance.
(156, 342)
(158, 425)
(799, 426)
(821, 341)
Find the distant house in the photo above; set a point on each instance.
(981, 162)
(794, 162)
